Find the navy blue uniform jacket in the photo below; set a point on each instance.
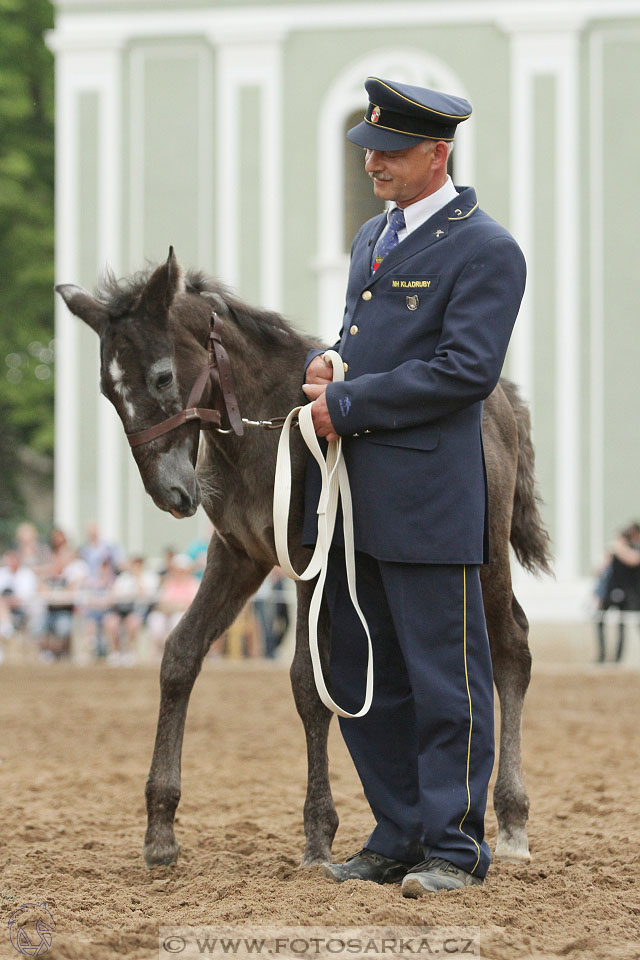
(424, 338)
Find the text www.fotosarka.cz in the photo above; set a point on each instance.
(318, 942)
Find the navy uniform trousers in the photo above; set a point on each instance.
(424, 752)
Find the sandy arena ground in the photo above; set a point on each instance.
(75, 749)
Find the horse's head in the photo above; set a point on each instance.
(149, 361)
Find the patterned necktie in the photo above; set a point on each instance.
(388, 238)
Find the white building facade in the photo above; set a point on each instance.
(219, 128)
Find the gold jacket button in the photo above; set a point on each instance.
(367, 295)
(353, 330)
(345, 366)
(355, 434)
(367, 431)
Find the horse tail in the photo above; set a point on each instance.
(529, 538)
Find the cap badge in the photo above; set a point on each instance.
(413, 302)
(375, 114)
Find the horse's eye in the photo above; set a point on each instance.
(164, 380)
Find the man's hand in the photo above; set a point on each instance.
(319, 411)
(319, 371)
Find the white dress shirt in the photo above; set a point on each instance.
(419, 212)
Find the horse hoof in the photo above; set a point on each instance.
(514, 848)
(156, 856)
(309, 861)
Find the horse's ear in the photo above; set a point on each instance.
(162, 286)
(84, 306)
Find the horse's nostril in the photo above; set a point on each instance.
(183, 502)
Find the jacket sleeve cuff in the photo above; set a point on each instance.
(347, 416)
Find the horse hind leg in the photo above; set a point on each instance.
(320, 816)
(508, 630)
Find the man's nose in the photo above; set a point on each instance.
(372, 160)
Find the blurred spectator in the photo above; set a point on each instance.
(18, 591)
(272, 611)
(65, 573)
(619, 585)
(32, 551)
(176, 592)
(94, 551)
(169, 554)
(99, 589)
(133, 594)
(60, 554)
(197, 552)
(242, 639)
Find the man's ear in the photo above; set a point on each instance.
(441, 152)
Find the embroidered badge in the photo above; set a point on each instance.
(413, 284)
(345, 405)
(375, 114)
(413, 302)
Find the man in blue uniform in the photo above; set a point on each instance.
(434, 289)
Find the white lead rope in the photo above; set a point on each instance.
(334, 481)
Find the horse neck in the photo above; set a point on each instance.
(267, 379)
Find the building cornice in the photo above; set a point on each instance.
(248, 23)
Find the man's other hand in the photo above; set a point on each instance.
(319, 371)
(319, 411)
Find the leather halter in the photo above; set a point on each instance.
(218, 371)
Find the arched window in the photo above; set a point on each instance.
(360, 202)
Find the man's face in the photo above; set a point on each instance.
(407, 175)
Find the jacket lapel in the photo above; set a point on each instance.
(433, 230)
(364, 267)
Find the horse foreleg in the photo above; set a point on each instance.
(320, 817)
(229, 579)
(508, 632)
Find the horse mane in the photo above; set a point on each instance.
(122, 296)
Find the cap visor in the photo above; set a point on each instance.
(370, 137)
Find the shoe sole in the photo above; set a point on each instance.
(412, 887)
(326, 871)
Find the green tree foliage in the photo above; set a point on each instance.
(26, 241)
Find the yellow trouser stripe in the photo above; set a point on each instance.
(466, 677)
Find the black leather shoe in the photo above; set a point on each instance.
(367, 865)
(434, 875)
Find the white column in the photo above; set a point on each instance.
(568, 225)
(66, 269)
(536, 52)
(79, 71)
(596, 296)
(248, 62)
(108, 70)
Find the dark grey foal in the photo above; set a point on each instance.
(153, 331)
